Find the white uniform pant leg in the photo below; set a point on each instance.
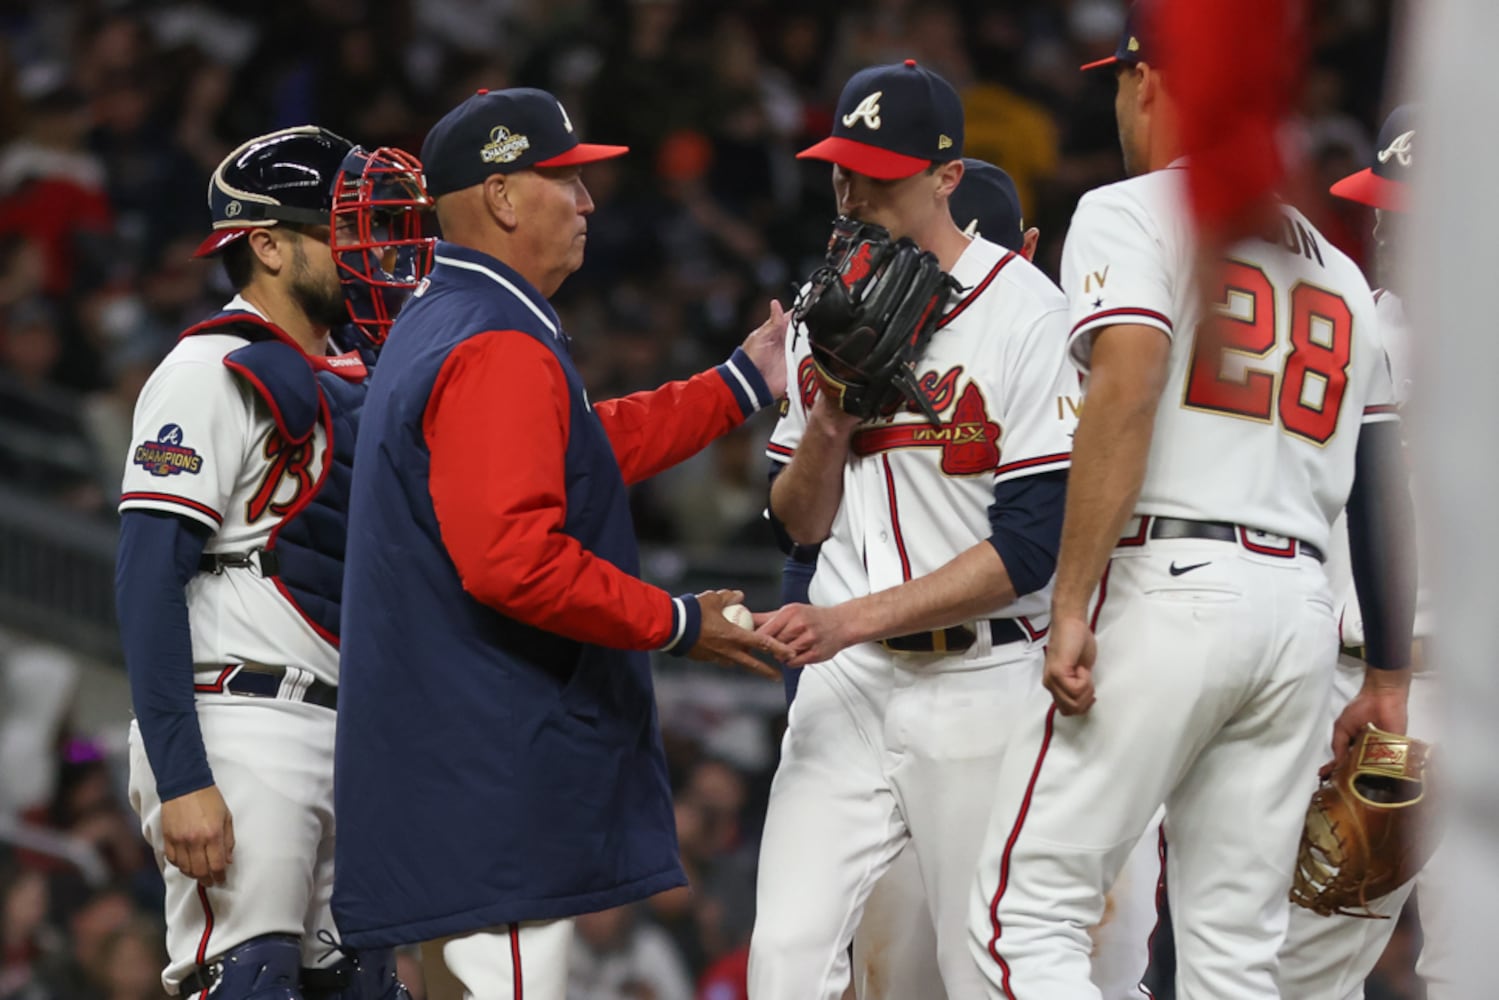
(895, 947)
(1177, 658)
(831, 830)
(949, 732)
(272, 761)
(1122, 939)
(1328, 958)
(524, 961)
(1234, 821)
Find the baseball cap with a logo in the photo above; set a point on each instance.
(1383, 184)
(501, 132)
(1131, 51)
(985, 203)
(892, 122)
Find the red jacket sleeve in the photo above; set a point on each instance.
(652, 431)
(497, 427)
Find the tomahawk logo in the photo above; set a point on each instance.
(1400, 149)
(868, 109)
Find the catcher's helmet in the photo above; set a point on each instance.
(284, 176)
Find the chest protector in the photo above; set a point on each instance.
(304, 556)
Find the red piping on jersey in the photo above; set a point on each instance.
(1288, 552)
(1160, 902)
(1031, 463)
(900, 542)
(202, 952)
(201, 508)
(978, 290)
(270, 401)
(1379, 409)
(515, 958)
(1123, 311)
(1004, 861)
(297, 508)
(1379, 293)
(217, 687)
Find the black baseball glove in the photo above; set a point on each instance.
(869, 313)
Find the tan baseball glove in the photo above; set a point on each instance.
(1363, 837)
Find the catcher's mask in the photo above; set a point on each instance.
(379, 202)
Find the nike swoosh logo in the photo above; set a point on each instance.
(1179, 570)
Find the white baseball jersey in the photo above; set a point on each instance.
(206, 447)
(915, 495)
(1300, 365)
(1395, 332)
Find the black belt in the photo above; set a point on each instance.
(955, 638)
(217, 562)
(258, 680)
(1222, 531)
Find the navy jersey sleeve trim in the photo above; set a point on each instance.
(746, 382)
(686, 625)
(1025, 524)
(158, 555)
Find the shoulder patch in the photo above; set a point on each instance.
(168, 455)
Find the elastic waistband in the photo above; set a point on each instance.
(1259, 542)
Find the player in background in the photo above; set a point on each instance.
(1212, 455)
(230, 563)
(1330, 957)
(936, 553)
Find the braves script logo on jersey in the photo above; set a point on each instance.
(868, 110)
(969, 441)
(167, 455)
(938, 389)
(288, 461)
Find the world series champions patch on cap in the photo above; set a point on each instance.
(1383, 184)
(893, 122)
(501, 132)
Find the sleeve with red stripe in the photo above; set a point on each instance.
(501, 503)
(1036, 413)
(652, 431)
(1114, 270)
(189, 438)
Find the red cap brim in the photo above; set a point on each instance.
(583, 152)
(218, 240)
(1100, 63)
(862, 158)
(1368, 188)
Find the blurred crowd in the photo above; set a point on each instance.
(113, 115)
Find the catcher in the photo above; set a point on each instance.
(926, 447)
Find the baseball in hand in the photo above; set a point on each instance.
(740, 615)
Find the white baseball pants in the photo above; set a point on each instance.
(1328, 958)
(272, 761)
(1212, 684)
(879, 755)
(525, 961)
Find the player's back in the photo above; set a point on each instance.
(1260, 416)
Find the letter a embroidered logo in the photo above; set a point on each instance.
(868, 109)
(1400, 149)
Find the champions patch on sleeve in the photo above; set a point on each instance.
(167, 455)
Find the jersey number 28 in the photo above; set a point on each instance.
(1321, 337)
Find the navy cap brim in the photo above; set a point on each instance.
(583, 152)
(862, 158)
(1368, 188)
